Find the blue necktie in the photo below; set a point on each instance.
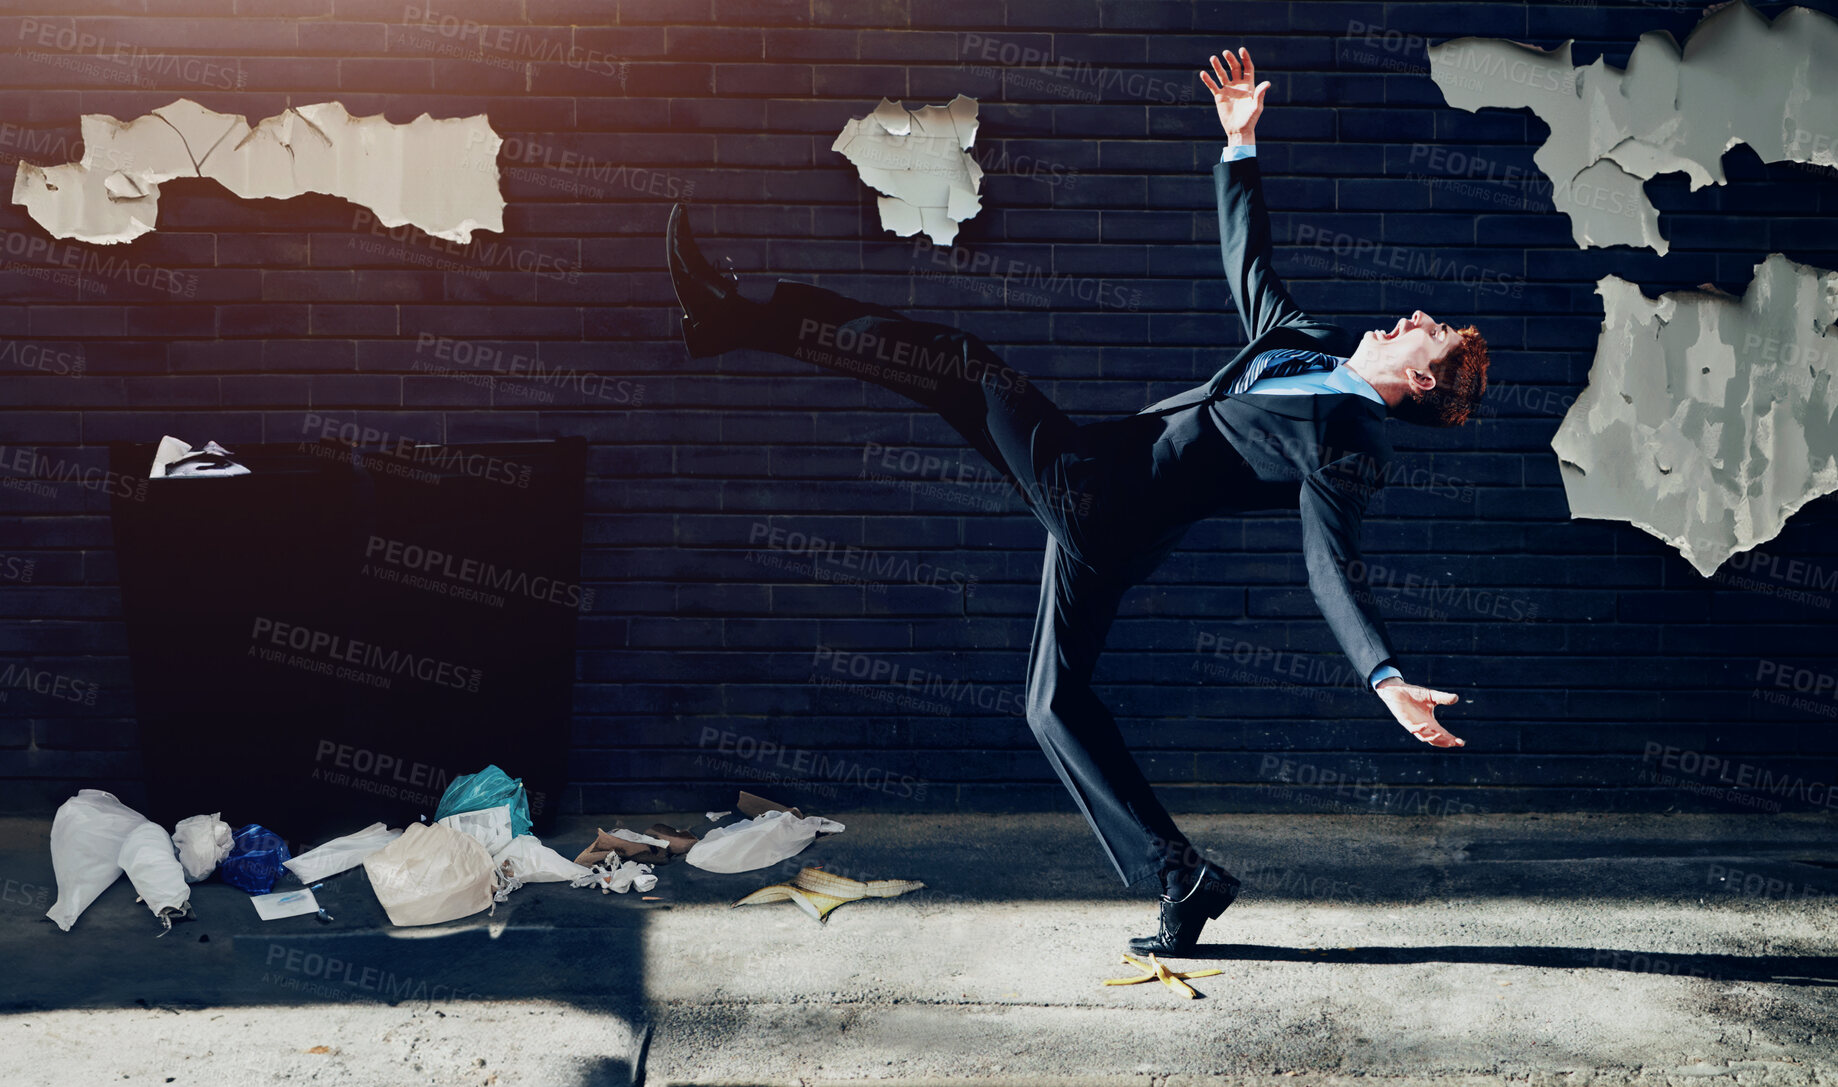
(1282, 362)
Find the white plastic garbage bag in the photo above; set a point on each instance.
(533, 862)
(203, 841)
(491, 827)
(432, 873)
(94, 839)
(763, 840)
(527, 860)
(340, 854)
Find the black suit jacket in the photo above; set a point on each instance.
(1323, 455)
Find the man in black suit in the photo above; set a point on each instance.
(1294, 421)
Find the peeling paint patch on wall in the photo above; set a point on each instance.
(916, 159)
(438, 175)
(1708, 420)
(1739, 79)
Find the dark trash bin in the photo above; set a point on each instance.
(329, 640)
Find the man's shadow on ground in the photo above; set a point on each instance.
(1778, 969)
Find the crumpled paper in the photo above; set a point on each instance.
(620, 878)
(203, 841)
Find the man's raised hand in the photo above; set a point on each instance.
(1238, 95)
(1415, 709)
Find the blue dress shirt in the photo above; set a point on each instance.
(1338, 380)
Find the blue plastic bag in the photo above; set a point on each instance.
(255, 859)
(488, 788)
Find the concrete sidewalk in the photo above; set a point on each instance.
(1662, 949)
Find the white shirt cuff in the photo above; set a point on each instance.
(1242, 151)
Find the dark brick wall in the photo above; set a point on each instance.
(1602, 671)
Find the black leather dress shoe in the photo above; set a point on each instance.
(714, 312)
(1183, 918)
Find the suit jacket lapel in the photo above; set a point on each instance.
(1280, 336)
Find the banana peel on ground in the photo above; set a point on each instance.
(817, 892)
(1156, 970)
(811, 902)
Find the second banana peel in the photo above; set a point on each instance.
(817, 892)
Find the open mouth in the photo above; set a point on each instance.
(1396, 331)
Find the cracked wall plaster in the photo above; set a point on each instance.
(1738, 79)
(916, 159)
(1708, 420)
(438, 175)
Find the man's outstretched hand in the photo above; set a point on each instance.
(1239, 96)
(1415, 709)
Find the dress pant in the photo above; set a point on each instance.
(1060, 471)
